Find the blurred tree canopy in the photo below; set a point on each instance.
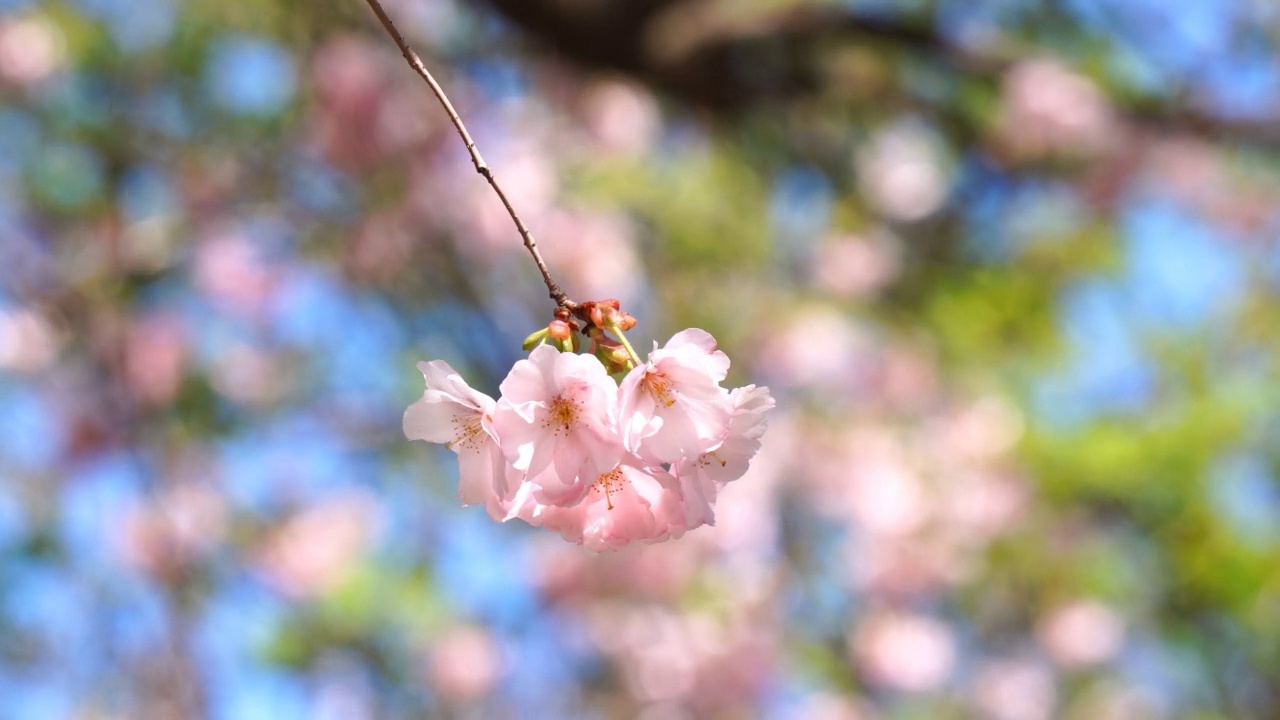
(1010, 267)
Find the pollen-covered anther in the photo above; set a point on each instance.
(707, 458)
(562, 415)
(660, 388)
(609, 483)
(467, 432)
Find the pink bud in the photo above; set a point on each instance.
(595, 314)
(613, 356)
(560, 330)
(610, 314)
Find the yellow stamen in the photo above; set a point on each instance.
(660, 388)
(467, 432)
(562, 416)
(609, 483)
(705, 459)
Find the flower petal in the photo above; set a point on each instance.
(435, 422)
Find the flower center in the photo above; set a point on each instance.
(660, 388)
(467, 432)
(610, 483)
(562, 416)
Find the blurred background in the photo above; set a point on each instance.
(1010, 268)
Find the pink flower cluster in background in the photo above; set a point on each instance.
(566, 448)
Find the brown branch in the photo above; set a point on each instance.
(718, 57)
(416, 63)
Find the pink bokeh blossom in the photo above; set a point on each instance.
(903, 651)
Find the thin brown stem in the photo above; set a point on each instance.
(415, 62)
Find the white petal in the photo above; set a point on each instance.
(517, 437)
(475, 476)
(435, 422)
(635, 409)
(694, 348)
(524, 383)
(441, 378)
(696, 337)
(699, 496)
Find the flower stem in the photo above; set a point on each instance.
(623, 339)
(415, 62)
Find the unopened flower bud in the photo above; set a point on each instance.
(619, 355)
(595, 313)
(626, 321)
(560, 330)
(614, 358)
(610, 313)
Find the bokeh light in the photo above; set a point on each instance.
(1011, 270)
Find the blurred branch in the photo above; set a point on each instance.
(721, 57)
(683, 48)
(416, 63)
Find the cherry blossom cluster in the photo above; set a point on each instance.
(603, 463)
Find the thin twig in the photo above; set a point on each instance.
(415, 62)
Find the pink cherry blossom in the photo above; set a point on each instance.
(453, 413)
(556, 421)
(702, 476)
(627, 504)
(672, 406)
(567, 449)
